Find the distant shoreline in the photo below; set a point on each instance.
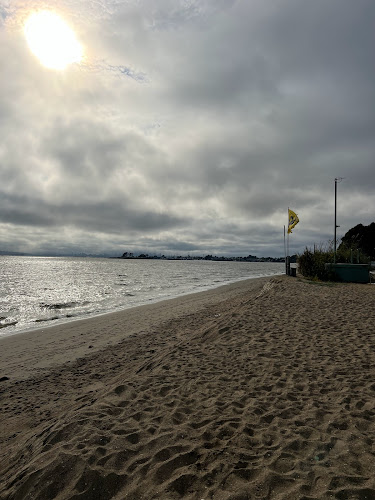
(143, 256)
(214, 258)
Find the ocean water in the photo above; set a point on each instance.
(41, 291)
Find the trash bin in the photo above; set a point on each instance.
(293, 272)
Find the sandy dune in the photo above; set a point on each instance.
(264, 389)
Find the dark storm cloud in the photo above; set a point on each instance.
(191, 126)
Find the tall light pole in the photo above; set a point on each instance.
(337, 179)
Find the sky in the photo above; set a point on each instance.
(189, 126)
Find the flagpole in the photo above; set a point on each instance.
(285, 252)
(287, 244)
(293, 220)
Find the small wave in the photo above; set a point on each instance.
(4, 322)
(41, 320)
(53, 318)
(62, 305)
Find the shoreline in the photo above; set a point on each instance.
(44, 324)
(262, 390)
(138, 318)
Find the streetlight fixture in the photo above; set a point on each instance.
(337, 179)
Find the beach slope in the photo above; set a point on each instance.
(263, 389)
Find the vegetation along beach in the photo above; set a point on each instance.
(258, 389)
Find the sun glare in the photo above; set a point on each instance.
(52, 41)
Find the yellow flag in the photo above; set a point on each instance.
(293, 220)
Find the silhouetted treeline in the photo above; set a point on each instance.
(360, 238)
(249, 258)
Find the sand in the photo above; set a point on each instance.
(261, 389)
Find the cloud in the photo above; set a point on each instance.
(190, 127)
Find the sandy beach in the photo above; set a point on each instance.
(260, 389)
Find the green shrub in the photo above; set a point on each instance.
(311, 263)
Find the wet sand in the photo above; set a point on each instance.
(260, 389)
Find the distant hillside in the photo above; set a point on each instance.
(362, 238)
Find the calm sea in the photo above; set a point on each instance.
(41, 291)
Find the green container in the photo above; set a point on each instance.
(351, 273)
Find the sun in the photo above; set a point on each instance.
(52, 41)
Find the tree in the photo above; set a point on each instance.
(360, 238)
